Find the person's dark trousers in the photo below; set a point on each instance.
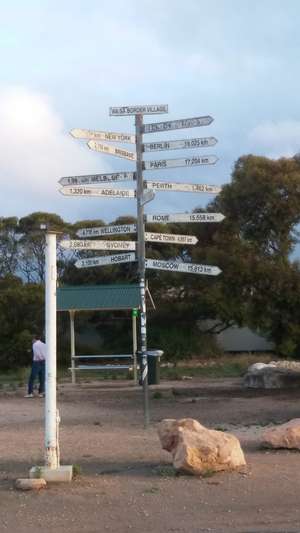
(37, 370)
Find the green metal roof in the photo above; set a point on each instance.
(94, 297)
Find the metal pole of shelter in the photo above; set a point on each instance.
(51, 436)
(141, 261)
(72, 340)
(134, 347)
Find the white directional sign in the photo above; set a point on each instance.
(185, 162)
(147, 197)
(112, 150)
(103, 135)
(180, 144)
(138, 109)
(105, 260)
(97, 245)
(94, 179)
(105, 193)
(178, 124)
(186, 217)
(182, 187)
(107, 230)
(189, 268)
(170, 238)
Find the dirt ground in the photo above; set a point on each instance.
(127, 482)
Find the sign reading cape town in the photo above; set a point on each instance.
(70, 244)
(170, 238)
(94, 179)
(105, 260)
(190, 268)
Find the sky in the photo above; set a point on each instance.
(64, 63)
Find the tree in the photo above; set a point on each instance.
(9, 246)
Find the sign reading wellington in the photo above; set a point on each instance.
(94, 179)
(105, 260)
(180, 144)
(138, 110)
(182, 187)
(178, 124)
(104, 193)
(107, 230)
(185, 162)
(175, 266)
(112, 150)
(98, 245)
(170, 238)
(103, 135)
(186, 217)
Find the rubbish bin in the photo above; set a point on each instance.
(153, 357)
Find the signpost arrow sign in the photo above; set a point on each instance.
(103, 135)
(147, 197)
(138, 110)
(105, 193)
(107, 230)
(170, 238)
(189, 268)
(97, 245)
(94, 179)
(185, 162)
(182, 187)
(178, 124)
(105, 260)
(180, 144)
(186, 217)
(112, 150)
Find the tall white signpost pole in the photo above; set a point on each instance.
(51, 440)
(141, 261)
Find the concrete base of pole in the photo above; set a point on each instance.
(62, 474)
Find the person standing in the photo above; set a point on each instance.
(38, 367)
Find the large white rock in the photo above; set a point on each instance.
(30, 484)
(284, 436)
(198, 450)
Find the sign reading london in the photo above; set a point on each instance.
(185, 162)
(178, 124)
(186, 217)
(202, 142)
(97, 192)
(189, 268)
(138, 110)
(70, 244)
(182, 187)
(105, 260)
(79, 133)
(94, 179)
(112, 150)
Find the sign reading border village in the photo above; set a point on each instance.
(182, 187)
(95, 179)
(79, 133)
(188, 268)
(138, 110)
(105, 260)
(195, 122)
(182, 162)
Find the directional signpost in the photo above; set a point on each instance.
(104, 193)
(170, 238)
(107, 230)
(182, 187)
(189, 268)
(105, 260)
(186, 217)
(70, 244)
(184, 162)
(144, 193)
(95, 179)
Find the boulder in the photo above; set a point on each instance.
(284, 436)
(198, 450)
(275, 375)
(30, 484)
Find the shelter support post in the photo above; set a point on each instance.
(134, 347)
(72, 341)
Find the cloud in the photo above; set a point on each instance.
(276, 139)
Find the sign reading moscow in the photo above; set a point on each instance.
(189, 268)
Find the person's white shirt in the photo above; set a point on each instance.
(39, 350)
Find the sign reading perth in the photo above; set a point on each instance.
(105, 260)
(94, 179)
(107, 230)
(189, 268)
(70, 244)
(185, 162)
(182, 187)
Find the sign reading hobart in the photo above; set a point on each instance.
(105, 260)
